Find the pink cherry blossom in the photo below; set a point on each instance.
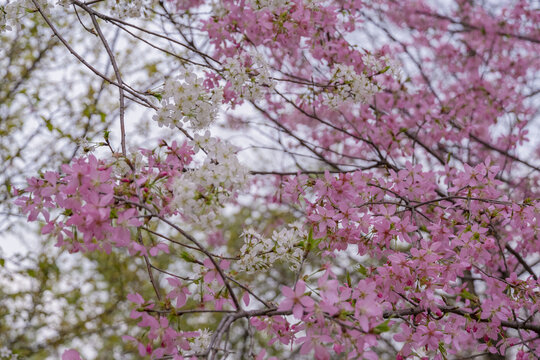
(296, 300)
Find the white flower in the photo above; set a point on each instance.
(12, 13)
(5, 352)
(201, 193)
(312, 4)
(248, 75)
(259, 253)
(382, 64)
(271, 5)
(348, 85)
(120, 166)
(200, 344)
(129, 8)
(185, 99)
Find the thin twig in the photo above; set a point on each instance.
(84, 62)
(120, 82)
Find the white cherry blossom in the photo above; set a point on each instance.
(186, 100)
(248, 75)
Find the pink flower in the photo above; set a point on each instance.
(179, 292)
(213, 274)
(136, 298)
(71, 354)
(296, 300)
(428, 335)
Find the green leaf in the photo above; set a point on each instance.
(31, 273)
(362, 269)
(467, 295)
(48, 123)
(312, 243)
(382, 327)
(187, 257)
(2, 262)
(385, 69)
(86, 112)
(442, 350)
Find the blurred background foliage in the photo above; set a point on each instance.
(51, 110)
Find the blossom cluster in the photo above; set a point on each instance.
(259, 253)
(77, 203)
(12, 12)
(325, 317)
(271, 5)
(186, 99)
(77, 207)
(7, 354)
(346, 86)
(248, 76)
(382, 64)
(129, 8)
(160, 338)
(200, 193)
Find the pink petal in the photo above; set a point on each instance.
(288, 292)
(307, 301)
(136, 298)
(298, 311)
(71, 355)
